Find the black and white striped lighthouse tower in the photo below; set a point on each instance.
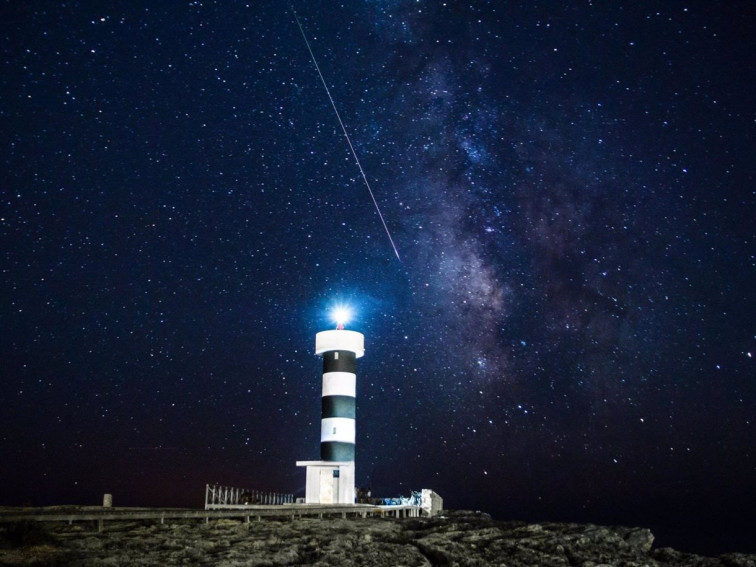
(340, 350)
(331, 480)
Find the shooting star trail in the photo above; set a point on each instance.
(346, 135)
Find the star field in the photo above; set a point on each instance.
(569, 334)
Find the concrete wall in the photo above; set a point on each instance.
(432, 503)
(323, 487)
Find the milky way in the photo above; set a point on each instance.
(569, 334)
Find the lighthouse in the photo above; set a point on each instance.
(331, 479)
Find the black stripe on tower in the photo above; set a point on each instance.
(338, 406)
(337, 451)
(339, 361)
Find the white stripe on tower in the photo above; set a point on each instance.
(339, 384)
(337, 429)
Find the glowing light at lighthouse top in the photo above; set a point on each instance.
(341, 315)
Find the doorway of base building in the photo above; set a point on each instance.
(329, 485)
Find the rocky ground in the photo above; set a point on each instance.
(455, 538)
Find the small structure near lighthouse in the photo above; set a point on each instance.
(331, 479)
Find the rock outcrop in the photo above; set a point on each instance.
(452, 539)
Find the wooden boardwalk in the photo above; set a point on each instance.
(244, 512)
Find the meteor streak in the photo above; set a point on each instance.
(346, 135)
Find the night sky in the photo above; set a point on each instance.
(569, 335)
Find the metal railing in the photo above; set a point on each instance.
(415, 499)
(218, 497)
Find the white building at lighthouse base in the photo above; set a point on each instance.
(329, 482)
